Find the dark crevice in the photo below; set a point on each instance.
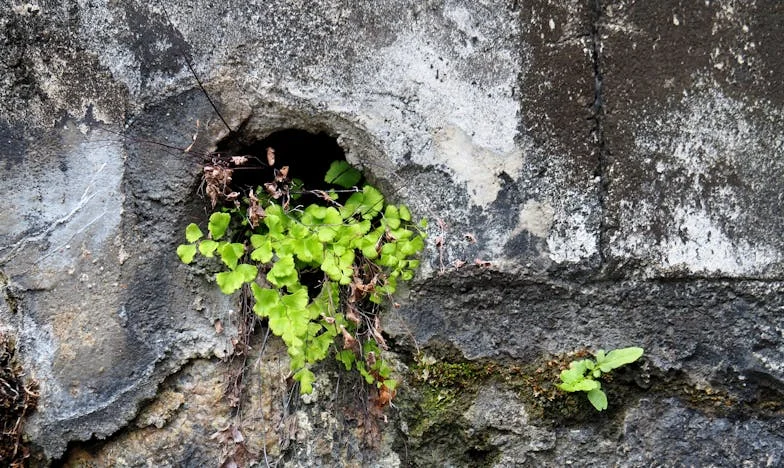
(307, 154)
(598, 129)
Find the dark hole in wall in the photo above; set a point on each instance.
(308, 156)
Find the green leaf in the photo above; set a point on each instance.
(390, 384)
(262, 248)
(347, 357)
(364, 373)
(247, 272)
(186, 252)
(305, 378)
(276, 221)
(575, 372)
(193, 233)
(405, 214)
(296, 301)
(283, 273)
(582, 385)
(266, 299)
(207, 247)
(618, 358)
(372, 203)
(218, 224)
(230, 253)
(343, 174)
(229, 281)
(598, 399)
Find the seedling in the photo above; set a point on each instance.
(583, 375)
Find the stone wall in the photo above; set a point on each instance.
(597, 174)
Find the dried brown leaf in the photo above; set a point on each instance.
(349, 342)
(271, 156)
(255, 211)
(352, 315)
(282, 174)
(273, 190)
(370, 359)
(376, 332)
(385, 396)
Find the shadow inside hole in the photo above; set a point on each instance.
(307, 155)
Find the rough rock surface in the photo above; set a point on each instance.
(616, 169)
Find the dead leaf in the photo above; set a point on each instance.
(255, 211)
(273, 190)
(349, 342)
(282, 174)
(323, 195)
(370, 359)
(482, 263)
(376, 332)
(239, 160)
(351, 314)
(458, 263)
(271, 156)
(218, 326)
(217, 178)
(470, 237)
(385, 396)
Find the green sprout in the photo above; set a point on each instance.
(582, 375)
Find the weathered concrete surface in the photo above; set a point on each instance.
(618, 164)
(693, 137)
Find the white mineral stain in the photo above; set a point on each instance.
(699, 244)
(478, 167)
(688, 227)
(572, 238)
(535, 217)
(463, 119)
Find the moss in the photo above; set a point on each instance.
(453, 375)
(438, 433)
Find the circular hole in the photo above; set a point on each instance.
(307, 155)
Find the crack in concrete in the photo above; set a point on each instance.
(42, 234)
(600, 171)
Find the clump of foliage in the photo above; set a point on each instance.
(17, 399)
(319, 273)
(583, 375)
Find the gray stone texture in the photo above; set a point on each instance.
(616, 169)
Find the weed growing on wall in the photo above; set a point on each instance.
(320, 263)
(583, 375)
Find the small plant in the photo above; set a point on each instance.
(582, 375)
(317, 273)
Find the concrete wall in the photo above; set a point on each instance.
(620, 166)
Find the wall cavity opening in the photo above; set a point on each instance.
(307, 155)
